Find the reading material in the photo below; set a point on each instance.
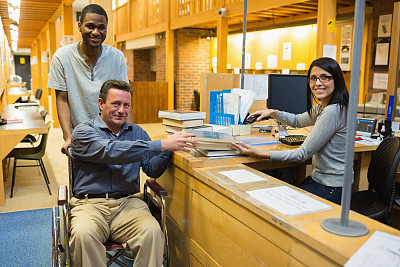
(218, 153)
(12, 119)
(213, 146)
(214, 137)
(257, 141)
(288, 201)
(175, 129)
(183, 124)
(181, 114)
(381, 249)
(242, 176)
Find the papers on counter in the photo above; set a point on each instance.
(242, 176)
(381, 249)
(288, 201)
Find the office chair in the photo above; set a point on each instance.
(377, 201)
(34, 138)
(153, 195)
(31, 153)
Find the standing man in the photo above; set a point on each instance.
(107, 155)
(78, 71)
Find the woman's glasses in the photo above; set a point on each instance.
(322, 78)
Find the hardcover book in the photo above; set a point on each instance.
(218, 153)
(181, 115)
(183, 124)
(12, 119)
(175, 129)
(213, 137)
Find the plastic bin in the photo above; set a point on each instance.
(217, 115)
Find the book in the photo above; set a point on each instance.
(183, 124)
(12, 119)
(175, 129)
(213, 137)
(181, 115)
(218, 153)
(213, 146)
(258, 141)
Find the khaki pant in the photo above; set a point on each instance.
(127, 221)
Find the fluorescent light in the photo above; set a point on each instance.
(14, 9)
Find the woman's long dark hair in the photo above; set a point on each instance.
(340, 95)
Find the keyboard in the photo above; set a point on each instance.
(293, 140)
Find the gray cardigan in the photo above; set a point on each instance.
(325, 143)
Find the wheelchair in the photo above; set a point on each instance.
(153, 195)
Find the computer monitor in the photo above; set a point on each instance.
(287, 92)
(365, 127)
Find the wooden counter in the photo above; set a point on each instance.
(212, 221)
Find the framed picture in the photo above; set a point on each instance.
(380, 57)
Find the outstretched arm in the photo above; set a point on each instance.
(64, 116)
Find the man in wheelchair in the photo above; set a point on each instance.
(107, 153)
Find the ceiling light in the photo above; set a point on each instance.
(14, 9)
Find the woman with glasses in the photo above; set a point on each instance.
(326, 141)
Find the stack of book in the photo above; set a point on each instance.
(214, 144)
(183, 120)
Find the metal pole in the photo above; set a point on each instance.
(244, 43)
(344, 226)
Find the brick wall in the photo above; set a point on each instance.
(161, 75)
(381, 7)
(192, 57)
(141, 64)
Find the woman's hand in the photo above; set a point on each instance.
(264, 113)
(246, 149)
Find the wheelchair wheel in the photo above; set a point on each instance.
(60, 239)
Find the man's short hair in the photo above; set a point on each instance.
(117, 84)
(92, 8)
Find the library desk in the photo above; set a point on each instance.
(212, 221)
(16, 92)
(11, 134)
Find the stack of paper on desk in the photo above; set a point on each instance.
(238, 102)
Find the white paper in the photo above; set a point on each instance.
(381, 249)
(382, 54)
(258, 65)
(380, 80)
(288, 201)
(301, 66)
(329, 51)
(285, 71)
(345, 47)
(232, 105)
(272, 61)
(246, 100)
(214, 62)
(247, 60)
(215, 70)
(287, 51)
(242, 176)
(228, 66)
(385, 25)
(236, 70)
(258, 84)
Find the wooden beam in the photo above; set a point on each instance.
(162, 27)
(326, 17)
(222, 44)
(52, 50)
(170, 60)
(393, 79)
(67, 17)
(44, 100)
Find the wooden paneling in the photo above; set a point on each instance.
(148, 98)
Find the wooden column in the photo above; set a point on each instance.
(170, 61)
(393, 79)
(44, 101)
(39, 63)
(34, 66)
(222, 43)
(67, 18)
(325, 23)
(52, 50)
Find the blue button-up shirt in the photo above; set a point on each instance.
(104, 162)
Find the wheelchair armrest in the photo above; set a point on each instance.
(156, 188)
(62, 195)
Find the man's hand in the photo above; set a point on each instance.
(246, 149)
(178, 141)
(66, 145)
